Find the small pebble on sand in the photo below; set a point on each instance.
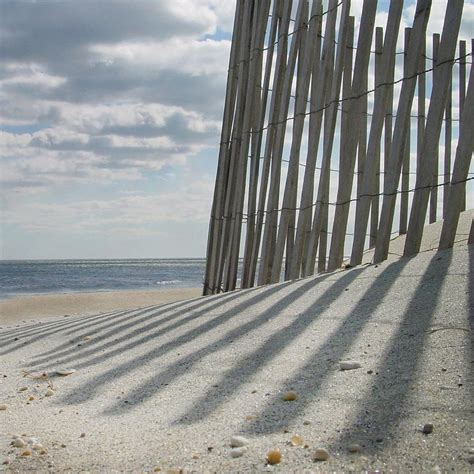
(427, 428)
(44, 451)
(297, 440)
(23, 389)
(27, 452)
(354, 448)
(82, 435)
(19, 443)
(3, 406)
(320, 454)
(250, 417)
(290, 396)
(49, 392)
(238, 452)
(349, 365)
(274, 457)
(238, 441)
(37, 446)
(31, 398)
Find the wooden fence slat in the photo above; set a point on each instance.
(406, 165)
(271, 222)
(462, 161)
(280, 67)
(349, 153)
(289, 198)
(447, 50)
(215, 224)
(380, 52)
(402, 123)
(257, 138)
(448, 127)
(319, 82)
(310, 235)
(260, 14)
(462, 88)
(238, 136)
(434, 189)
(372, 164)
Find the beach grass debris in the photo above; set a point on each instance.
(273, 457)
(38, 376)
(290, 396)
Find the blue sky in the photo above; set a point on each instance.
(109, 123)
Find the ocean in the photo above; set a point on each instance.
(36, 277)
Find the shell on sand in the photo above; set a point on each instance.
(19, 443)
(274, 456)
(320, 454)
(65, 372)
(238, 441)
(290, 396)
(349, 365)
(238, 452)
(297, 440)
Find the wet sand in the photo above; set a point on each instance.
(40, 307)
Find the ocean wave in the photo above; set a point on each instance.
(168, 282)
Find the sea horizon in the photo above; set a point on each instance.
(54, 276)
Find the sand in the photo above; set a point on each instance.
(167, 387)
(49, 306)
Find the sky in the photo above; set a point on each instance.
(110, 116)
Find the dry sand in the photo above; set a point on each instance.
(166, 387)
(22, 308)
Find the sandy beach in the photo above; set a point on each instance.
(41, 307)
(155, 381)
(169, 387)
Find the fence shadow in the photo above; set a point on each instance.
(378, 413)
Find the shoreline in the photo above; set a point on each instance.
(17, 309)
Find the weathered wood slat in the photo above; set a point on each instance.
(406, 165)
(215, 225)
(447, 50)
(274, 114)
(462, 161)
(348, 154)
(372, 164)
(434, 189)
(271, 221)
(257, 139)
(402, 123)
